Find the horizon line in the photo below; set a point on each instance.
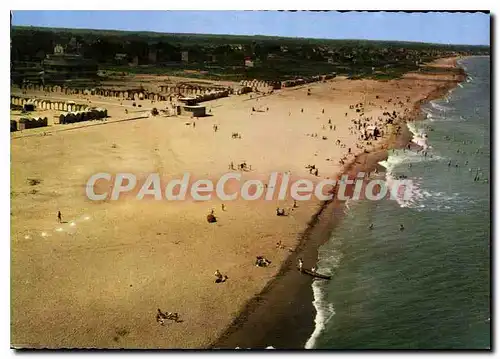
(246, 35)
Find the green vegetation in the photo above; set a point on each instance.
(222, 57)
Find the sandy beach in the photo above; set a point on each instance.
(97, 279)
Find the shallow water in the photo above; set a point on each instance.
(427, 286)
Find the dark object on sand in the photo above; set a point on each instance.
(280, 212)
(221, 279)
(161, 317)
(262, 262)
(211, 218)
(315, 274)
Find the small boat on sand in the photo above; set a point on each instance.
(316, 274)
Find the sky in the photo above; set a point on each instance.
(444, 28)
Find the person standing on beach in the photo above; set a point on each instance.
(59, 216)
(301, 264)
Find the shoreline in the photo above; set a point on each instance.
(292, 319)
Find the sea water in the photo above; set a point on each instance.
(427, 286)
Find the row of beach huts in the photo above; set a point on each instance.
(73, 112)
(307, 80)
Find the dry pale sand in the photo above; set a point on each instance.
(98, 279)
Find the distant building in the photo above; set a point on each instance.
(135, 62)
(26, 72)
(212, 58)
(248, 62)
(120, 57)
(60, 67)
(152, 56)
(185, 56)
(58, 50)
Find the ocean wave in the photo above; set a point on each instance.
(416, 196)
(329, 260)
(461, 86)
(324, 312)
(400, 157)
(424, 200)
(439, 107)
(446, 119)
(431, 115)
(440, 115)
(419, 135)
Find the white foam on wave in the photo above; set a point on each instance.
(419, 135)
(439, 107)
(461, 86)
(400, 157)
(324, 312)
(422, 199)
(431, 116)
(329, 260)
(418, 197)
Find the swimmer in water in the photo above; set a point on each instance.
(371, 226)
(401, 227)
